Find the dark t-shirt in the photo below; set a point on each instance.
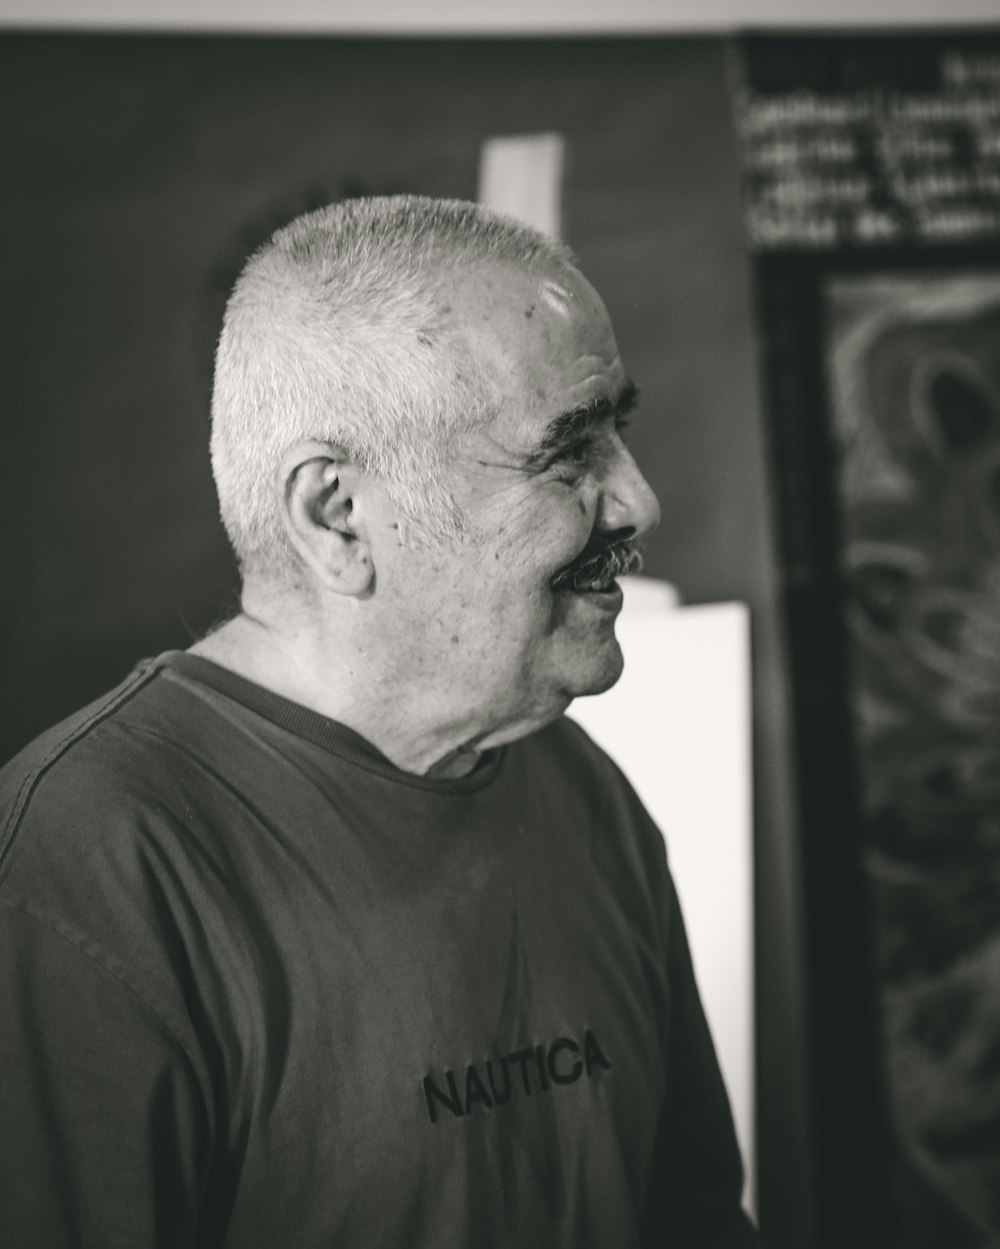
(260, 987)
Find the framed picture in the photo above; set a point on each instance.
(873, 206)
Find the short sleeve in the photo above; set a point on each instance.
(102, 1124)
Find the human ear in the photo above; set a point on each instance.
(324, 519)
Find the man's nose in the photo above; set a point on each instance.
(627, 504)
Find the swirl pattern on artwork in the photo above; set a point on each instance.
(914, 371)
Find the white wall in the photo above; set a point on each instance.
(478, 17)
(678, 725)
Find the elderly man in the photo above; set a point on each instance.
(330, 931)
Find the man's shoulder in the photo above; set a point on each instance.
(54, 749)
(91, 767)
(95, 860)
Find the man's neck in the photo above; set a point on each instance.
(333, 682)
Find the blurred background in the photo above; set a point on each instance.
(793, 216)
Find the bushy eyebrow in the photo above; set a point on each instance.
(568, 428)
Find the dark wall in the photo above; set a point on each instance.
(141, 171)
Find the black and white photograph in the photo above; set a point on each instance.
(500, 734)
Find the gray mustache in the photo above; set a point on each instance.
(599, 562)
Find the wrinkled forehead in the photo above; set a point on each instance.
(544, 333)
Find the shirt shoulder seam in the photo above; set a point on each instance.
(106, 707)
(101, 966)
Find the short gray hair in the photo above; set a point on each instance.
(336, 330)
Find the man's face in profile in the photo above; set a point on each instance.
(519, 618)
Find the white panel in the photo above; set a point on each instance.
(522, 175)
(678, 724)
(475, 17)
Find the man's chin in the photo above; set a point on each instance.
(600, 673)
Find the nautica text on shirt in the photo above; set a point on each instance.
(523, 1073)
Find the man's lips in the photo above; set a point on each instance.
(596, 591)
(597, 566)
(605, 602)
(608, 599)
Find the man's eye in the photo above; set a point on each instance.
(578, 453)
